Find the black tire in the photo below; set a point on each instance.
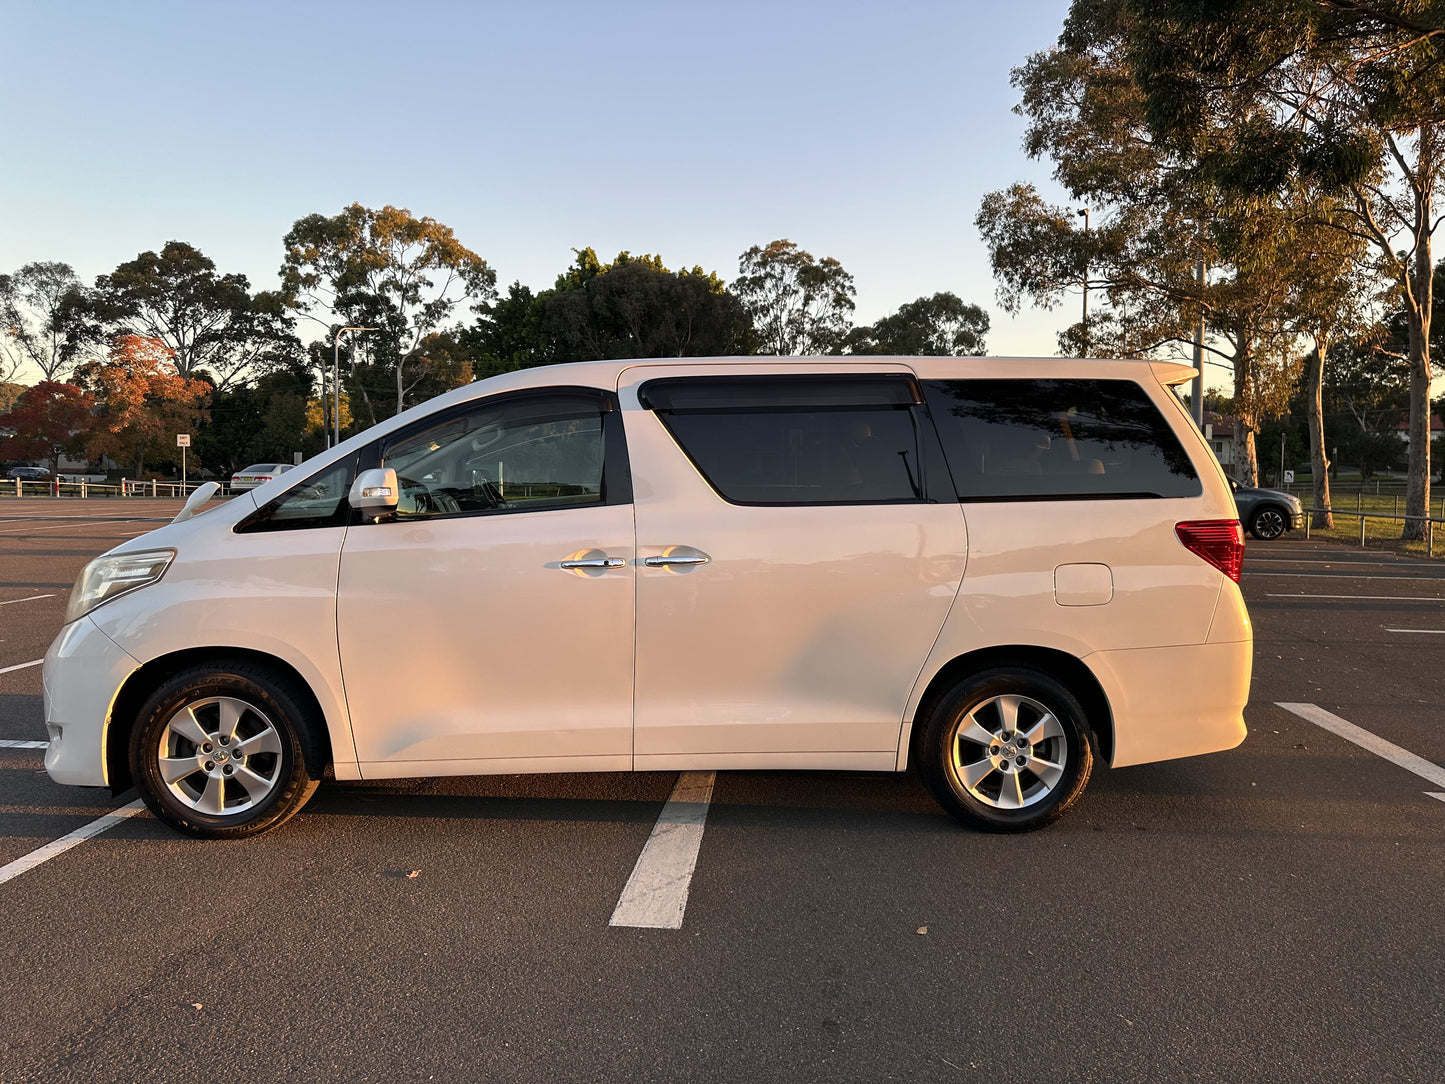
(1067, 747)
(1268, 523)
(259, 776)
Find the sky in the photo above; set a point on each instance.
(865, 132)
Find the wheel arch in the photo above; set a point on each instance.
(148, 677)
(1072, 671)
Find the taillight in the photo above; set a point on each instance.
(1218, 541)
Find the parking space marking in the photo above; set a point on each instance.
(1336, 575)
(32, 598)
(1365, 598)
(20, 666)
(11, 743)
(65, 526)
(656, 893)
(25, 863)
(1395, 754)
(1335, 564)
(1419, 632)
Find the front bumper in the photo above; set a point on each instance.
(84, 670)
(1296, 520)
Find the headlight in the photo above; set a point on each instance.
(110, 577)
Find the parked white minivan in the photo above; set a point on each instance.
(1000, 569)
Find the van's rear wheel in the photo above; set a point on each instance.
(221, 751)
(1007, 750)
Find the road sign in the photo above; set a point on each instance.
(183, 440)
(1289, 477)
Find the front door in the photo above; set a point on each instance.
(488, 625)
(799, 547)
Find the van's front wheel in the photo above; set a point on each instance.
(1007, 750)
(221, 751)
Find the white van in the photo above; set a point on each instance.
(1001, 569)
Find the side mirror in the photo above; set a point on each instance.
(375, 492)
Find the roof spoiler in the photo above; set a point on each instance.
(196, 500)
(1171, 373)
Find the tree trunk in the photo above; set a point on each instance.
(1246, 415)
(1319, 464)
(1419, 296)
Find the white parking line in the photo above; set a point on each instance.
(20, 666)
(1364, 598)
(1365, 740)
(63, 526)
(32, 598)
(1419, 632)
(656, 893)
(11, 743)
(1337, 575)
(64, 843)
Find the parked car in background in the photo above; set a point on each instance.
(257, 474)
(1003, 570)
(1267, 513)
(29, 474)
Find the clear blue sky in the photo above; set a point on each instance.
(867, 132)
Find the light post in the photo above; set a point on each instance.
(1085, 214)
(336, 381)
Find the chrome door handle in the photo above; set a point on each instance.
(596, 562)
(680, 559)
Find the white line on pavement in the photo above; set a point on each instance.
(1336, 575)
(1421, 632)
(11, 743)
(63, 526)
(32, 598)
(1365, 740)
(1436, 794)
(1335, 565)
(1364, 598)
(64, 843)
(656, 893)
(20, 666)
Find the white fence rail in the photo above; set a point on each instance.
(20, 487)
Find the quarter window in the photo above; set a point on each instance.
(317, 501)
(1057, 439)
(797, 440)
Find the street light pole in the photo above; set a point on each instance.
(1085, 214)
(336, 382)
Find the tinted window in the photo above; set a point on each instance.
(1040, 439)
(318, 501)
(534, 452)
(797, 440)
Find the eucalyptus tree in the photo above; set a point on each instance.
(387, 269)
(636, 307)
(213, 324)
(1354, 102)
(1167, 245)
(39, 317)
(943, 324)
(798, 304)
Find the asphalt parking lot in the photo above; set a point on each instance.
(1271, 913)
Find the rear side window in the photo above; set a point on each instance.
(1057, 440)
(798, 439)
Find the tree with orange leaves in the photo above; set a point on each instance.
(144, 402)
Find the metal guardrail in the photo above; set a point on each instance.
(1429, 522)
